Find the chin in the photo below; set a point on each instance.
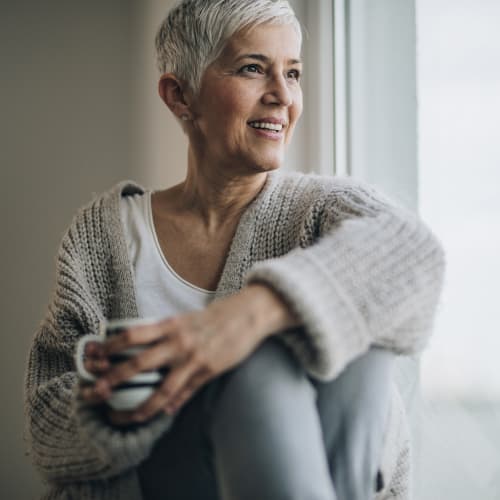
(267, 164)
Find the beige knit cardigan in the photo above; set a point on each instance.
(356, 269)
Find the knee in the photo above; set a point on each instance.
(270, 370)
(354, 407)
(372, 378)
(363, 389)
(271, 354)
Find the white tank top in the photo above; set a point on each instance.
(160, 291)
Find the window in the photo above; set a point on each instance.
(459, 195)
(417, 113)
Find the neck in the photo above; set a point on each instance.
(217, 195)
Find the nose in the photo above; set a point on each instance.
(278, 92)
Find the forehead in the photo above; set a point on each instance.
(271, 40)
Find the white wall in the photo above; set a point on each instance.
(67, 115)
(162, 144)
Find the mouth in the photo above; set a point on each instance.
(264, 125)
(269, 128)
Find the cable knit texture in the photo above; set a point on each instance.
(356, 269)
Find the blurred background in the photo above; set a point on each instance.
(459, 196)
(403, 93)
(78, 82)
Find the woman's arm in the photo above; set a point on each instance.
(195, 347)
(70, 441)
(373, 277)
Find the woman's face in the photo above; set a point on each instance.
(250, 100)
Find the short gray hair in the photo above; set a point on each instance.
(195, 32)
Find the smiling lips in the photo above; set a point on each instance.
(268, 124)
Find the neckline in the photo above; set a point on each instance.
(163, 258)
(231, 279)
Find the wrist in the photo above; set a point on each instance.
(273, 313)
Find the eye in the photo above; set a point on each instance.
(251, 68)
(294, 74)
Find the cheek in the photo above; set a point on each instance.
(232, 113)
(227, 125)
(231, 104)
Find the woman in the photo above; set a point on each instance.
(285, 298)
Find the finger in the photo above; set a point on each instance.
(94, 358)
(193, 386)
(96, 366)
(94, 349)
(89, 394)
(155, 357)
(161, 397)
(138, 335)
(182, 384)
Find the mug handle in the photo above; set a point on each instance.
(80, 355)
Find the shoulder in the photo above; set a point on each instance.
(105, 204)
(109, 200)
(328, 184)
(330, 190)
(92, 259)
(98, 221)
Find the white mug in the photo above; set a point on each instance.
(130, 394)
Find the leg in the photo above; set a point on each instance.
(353, 411)
(266, 431)
(179, 466)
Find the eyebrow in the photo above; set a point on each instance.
(265, 59)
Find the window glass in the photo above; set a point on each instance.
(459, 196)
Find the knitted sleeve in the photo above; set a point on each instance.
(69, 441)
(372, 277)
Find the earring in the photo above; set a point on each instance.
(185, 118)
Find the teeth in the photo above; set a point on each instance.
(277, 127)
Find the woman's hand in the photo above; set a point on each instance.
(196, 347)
(96, 363)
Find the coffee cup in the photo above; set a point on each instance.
(133, 392)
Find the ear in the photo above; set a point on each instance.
(173, 94)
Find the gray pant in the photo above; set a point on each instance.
(267, 431)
